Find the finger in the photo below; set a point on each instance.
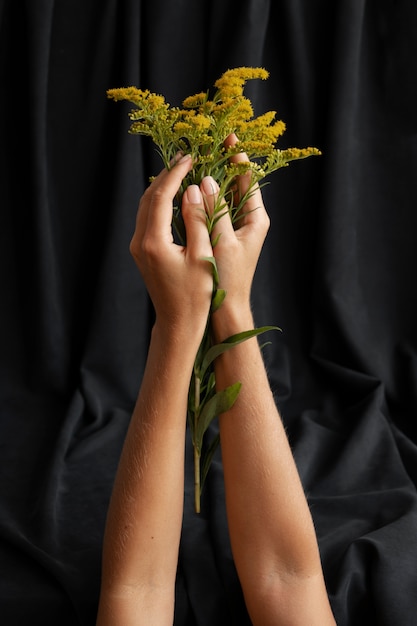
(244, 183)
(145, 201)
(214, 204)
(240, 157)
(210, 190)
(192, 208)
(162, 193)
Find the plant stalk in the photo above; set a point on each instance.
(197, 452)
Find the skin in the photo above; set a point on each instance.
(271, 530)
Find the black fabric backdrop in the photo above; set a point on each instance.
(338, 274)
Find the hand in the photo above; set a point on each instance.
(179, 282)
(239, 246)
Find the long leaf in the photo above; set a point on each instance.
(208, 457)
(222, 401)
(229, 343)
(212, 260)
(217, 299)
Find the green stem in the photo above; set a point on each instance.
(197, 453)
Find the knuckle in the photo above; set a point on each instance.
(262, 219)
(134, 249)
(266, 221)
(147, 194)
(149, 247)
(133, 246)
(158, 197)
(143, 249)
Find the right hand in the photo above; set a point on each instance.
(239, 246)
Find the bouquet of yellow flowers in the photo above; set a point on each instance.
(200, 128)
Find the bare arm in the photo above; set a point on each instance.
(271, 530)
(144, 520)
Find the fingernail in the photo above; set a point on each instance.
(175, 158)
(209, 186)
(186, 157)
(194, 195)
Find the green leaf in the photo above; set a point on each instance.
(229, 343)
(217, 300)
(208, 388)
(212, 260)
(216, 240)
(208, 457)
(190, 420)
(203, 348)
(222, 401)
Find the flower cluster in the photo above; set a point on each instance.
(200, 128)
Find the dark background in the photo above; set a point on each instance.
(338, 274)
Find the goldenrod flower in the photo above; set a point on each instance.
(203, 124)
(182, 127)
(237, 77)
(195, 101)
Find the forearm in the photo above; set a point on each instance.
(272, 534)
(143, 529)
(145, 515)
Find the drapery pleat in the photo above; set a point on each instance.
(337, 274)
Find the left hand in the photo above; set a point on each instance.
(179, 282)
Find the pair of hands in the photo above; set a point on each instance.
(179, 281)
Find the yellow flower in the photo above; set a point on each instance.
(257, 148)
(201, 122)
(237, 77)
(143, 99)
(231, 89)
(132, 94)
(237, 169)
(291, 154)
(155, 102)
(182, 127)
(195, 101)
(278, 129)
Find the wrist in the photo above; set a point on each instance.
(178, 337)
(231, 319)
